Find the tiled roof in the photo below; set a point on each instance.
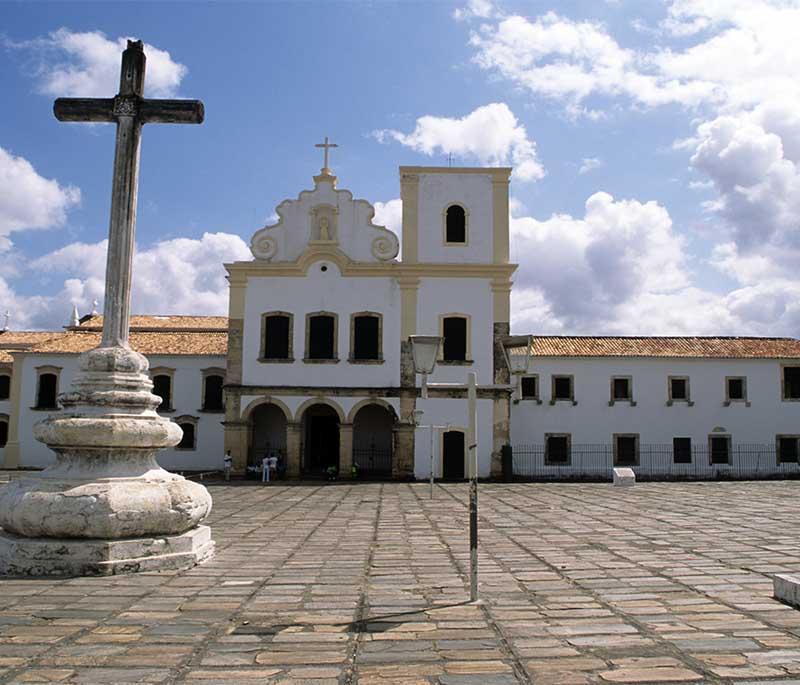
(15, 340)
(168, 322)
(664, 346)
(148, 343)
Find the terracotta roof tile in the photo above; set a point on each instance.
(14, 340)
(170, 322)
(149, 343)
(665, 346)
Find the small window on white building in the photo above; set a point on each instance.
(276, 336)
(719, 448)
(455, 225)
(529, 387)
(47, 389)
(3, 430)
(626, 449)
(213, 383)
(5, 384)
(162, 387)
(678, 389)
(735, 389)
(791, 383)
(366, 337)
(621, 389)
(321, 337)
(682, 450)
(455, 331)
(563, 389)
(557, 448)
(188, 425)
(787, 447)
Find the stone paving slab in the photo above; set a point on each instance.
(366, 584)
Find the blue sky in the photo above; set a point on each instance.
(655, 143)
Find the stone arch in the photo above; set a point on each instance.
(268, 423)
(298, 415)
(320, 423)
(374, 423)
(248, 410)
(371, 400)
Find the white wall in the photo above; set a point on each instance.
(471, 296)
(453, 411)
(474, 193)
(593, 421)
(187, 400)
(322, 291)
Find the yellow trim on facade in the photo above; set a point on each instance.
(409, 194)
(501, 300)
(499, 172)
(409, 288)
(254, 269)
(500, 219)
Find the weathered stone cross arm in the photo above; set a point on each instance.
(147, 111)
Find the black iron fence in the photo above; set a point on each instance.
(372, 462)
(651, 462)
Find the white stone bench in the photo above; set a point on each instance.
(623, 477)
(786, 589)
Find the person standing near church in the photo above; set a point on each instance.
(227, 461)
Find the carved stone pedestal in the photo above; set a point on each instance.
(21, 556)
(105, 506)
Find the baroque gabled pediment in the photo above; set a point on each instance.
(325, 217)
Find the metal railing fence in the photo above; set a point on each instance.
(652, 462)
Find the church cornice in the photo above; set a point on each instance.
(240, 271)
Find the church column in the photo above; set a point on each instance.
(237, 433)
(345, 450)
(404, 432)
(501, 406)
(293, 449)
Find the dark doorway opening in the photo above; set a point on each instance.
(372, 442)
(453, 455)
(321, 445)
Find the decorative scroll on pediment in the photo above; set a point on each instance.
(325, 216)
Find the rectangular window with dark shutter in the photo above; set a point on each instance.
(720, 449)
(562, 388)
(454, 330)
(787, 449)
(557, 449)
(530, 387)
(682, 450)
(276, 337)
(366, 338)
(321, 337)
(5, 386)
(791, 382)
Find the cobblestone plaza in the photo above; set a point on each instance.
(366, 583)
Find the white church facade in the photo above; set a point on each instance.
(313, 362)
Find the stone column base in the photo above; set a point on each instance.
(21, 556)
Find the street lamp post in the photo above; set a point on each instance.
(425, 350)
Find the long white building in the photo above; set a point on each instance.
(313, 362)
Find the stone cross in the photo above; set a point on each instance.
(130, 111)
(325, 146)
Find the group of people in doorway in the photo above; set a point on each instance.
(272, 466)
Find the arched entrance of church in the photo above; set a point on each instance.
(373, 439)
(320, 425)
(267, 436)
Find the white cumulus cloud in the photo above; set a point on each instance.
(589, 164)
(180, 276)
(29, 200)
(86, 64)
(490, 134)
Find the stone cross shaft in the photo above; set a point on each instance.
(325, 146)
(130, 110)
